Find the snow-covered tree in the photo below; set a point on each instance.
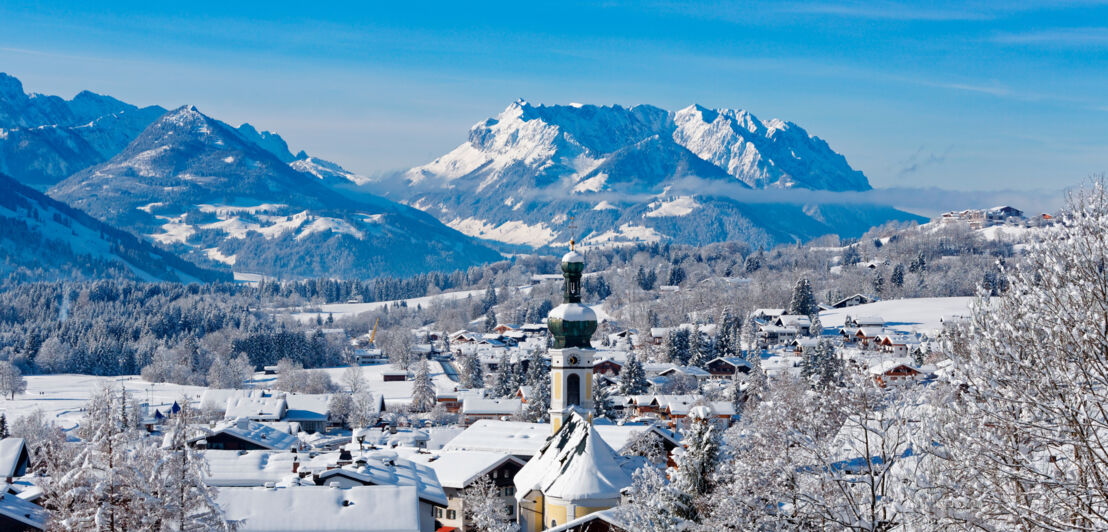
(749, 337)
(423, 391)
(105, 485)
(472, 374)
(803, 302)
(505, 380)
(354, 379)
(602, 401)
(184, 500)
(632, 377)
(340, 406)
(1024, 447)
(364, 410)
(653, 503)
(229, 372)
(816, 329)
(11, 379)
(4, 426)
(693, 476)
(676, 346)
(538, 379)
(484, 509)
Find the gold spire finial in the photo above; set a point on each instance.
(572, 232)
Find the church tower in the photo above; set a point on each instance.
(571, 360)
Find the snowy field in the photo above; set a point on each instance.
(63, 397)
(903, 315)
(346, 310)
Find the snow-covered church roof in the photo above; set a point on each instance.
(576, 464)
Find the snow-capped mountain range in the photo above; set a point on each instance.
(638, 173)
(44, 139)
(42, 239)
(211, 193)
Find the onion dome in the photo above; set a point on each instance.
(572, 323)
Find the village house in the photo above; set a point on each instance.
(14, 458)
(246, 435)
(894, 372)
(475, 409)
(457, 471)
(727, 367)
(854, 300)
(318, 508)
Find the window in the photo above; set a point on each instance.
(573, 390)
(451, 514)
(436, 512)
(509, 510)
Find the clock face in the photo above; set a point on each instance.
(572, 360)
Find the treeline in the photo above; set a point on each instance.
(121, 327)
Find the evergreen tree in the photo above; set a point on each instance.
(423, 392)
(750, 338)
(878, 282)
(703, 352)
(184, 500)
(676, 346)
(602, 401)
(472, 374)
(803, 302)
(897, 277)
(695, 467)
(756, 382)
(504, 379)
(3, 426)
(632, 377)
(816, 329)
(538, 379)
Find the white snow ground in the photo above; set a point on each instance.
(904, 315)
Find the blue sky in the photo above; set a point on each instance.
(961, 95)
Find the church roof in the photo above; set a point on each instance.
(575, 465)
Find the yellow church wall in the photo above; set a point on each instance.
(582, 511)
(557, 378)
(588, 385)
(555, 515)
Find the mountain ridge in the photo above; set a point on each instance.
(202, 188)
(520, 174)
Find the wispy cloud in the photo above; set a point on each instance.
(888, 10)
(1095, 37)
(921, 159)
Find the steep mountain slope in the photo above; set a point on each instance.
(42, 239)
(213, 194)
(638, 174)
(44, 139)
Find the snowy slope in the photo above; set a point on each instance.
(43, 239)
(521, 173)
(199, 186)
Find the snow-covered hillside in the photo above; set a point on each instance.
(196, 184)
(43, 239)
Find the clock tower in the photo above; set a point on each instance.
(572, 325)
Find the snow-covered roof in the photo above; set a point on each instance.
(883, 366)
(795, 321)
(572, 312)
(458, 469)
(22, 511)
(734, 361)
(217, 397)
(247, 468)
(256, 408)
(356, 509)
(381, 468)
(574, 465)
(308, 406)
(505, 407)
(573, 257)
(256, 433)
(10, 451)
(610, 516)
(688, 370)
(525, 439)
